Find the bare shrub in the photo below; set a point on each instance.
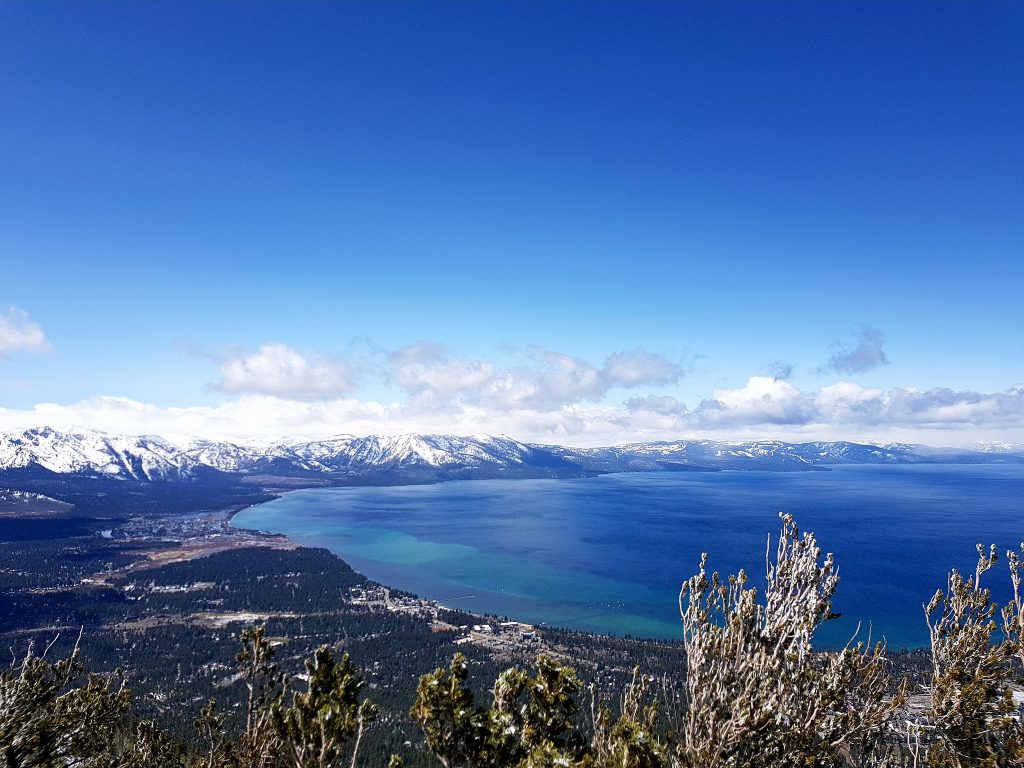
(757, 694)
(971, 720)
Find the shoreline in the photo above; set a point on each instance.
(498, 635)
(416, 602)
(164, 536)
(568, 624)
(399, 561)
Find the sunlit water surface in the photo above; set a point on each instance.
(608, 554)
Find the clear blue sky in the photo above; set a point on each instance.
(520, 217)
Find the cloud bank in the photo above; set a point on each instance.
(763, 407)
(544, 396)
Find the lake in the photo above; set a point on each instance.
(608, 554)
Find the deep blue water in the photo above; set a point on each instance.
(608, 554)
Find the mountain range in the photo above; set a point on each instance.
(46, 452)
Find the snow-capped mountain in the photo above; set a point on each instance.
(94, 453)
(402, 451)
(426, 458)
(997, 446)
(226, 457)
(797, 453)
(420, 457)
(767, 455)
(347, 455)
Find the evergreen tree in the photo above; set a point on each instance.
(320, 722)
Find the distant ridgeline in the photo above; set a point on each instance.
(48, 454)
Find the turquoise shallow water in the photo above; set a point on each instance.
(608, 554)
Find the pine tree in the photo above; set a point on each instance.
(320, 722)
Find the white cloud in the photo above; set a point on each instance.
(249, 417)
(276, 392)
(764, 400)
(764, 407)
(844, 402)
(430, 374)
(427, 371)
(937, 407)
(559, 380)
(277, 369)
(638, 366)
(837, 407)
(18, 332)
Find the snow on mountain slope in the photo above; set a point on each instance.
(758, 454)
(152, 458)
(997, 446)
(227, 457)
(401, 451)
(714, 452)
(95, 453)
(426, 457)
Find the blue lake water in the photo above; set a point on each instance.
(608, 554)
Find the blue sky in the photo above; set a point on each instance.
(569, 222)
